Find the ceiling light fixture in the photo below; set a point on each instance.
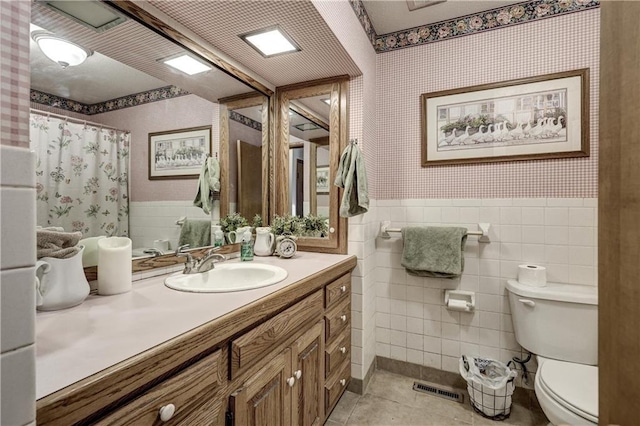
(90, 13)
(419, 4)
(326, 101)
(271, 41)
(187, 64)
(59, 50)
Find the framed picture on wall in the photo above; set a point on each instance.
(532, 118)
(322, 180)
(178, 154)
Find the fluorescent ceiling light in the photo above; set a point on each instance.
(419, 4)
(93, 14)
(59, 50)
(306, 127)
(271, 41)
(187, 64)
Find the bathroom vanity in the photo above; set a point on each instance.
(275, 355)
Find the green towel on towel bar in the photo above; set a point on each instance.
(352, 176)
(196, 233)
(434, 251)
(209, 182)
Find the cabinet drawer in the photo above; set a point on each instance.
(337, 352)
(337, 319)
(337, 291)
(257, 343)
(335, 386)
(185, 391)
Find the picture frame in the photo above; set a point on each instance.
(178, 154)
(531, 118)
(322, 179)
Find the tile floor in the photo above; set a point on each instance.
(391, 400)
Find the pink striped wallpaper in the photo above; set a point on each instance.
(14, 73)
(542, 47)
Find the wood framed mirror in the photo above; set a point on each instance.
(311, 133)
(244, 153)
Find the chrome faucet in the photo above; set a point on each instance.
(204, 264)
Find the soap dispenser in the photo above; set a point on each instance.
(246, 248)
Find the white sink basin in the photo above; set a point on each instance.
(228, 277)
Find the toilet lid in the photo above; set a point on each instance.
(575, 386)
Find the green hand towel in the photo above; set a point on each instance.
(352, 176)
(196, 233)
(209, 182)
(434, 251)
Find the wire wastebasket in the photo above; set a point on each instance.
(490, 384)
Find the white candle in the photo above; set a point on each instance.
(114, 265)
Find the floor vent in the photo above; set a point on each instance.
(442, 392)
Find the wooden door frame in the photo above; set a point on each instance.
(618, 214)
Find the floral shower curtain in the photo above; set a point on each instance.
(81, 176)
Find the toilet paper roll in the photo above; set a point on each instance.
(457, 305)
(162, 245)
(532, 275)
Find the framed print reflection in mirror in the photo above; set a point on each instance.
(178, 154)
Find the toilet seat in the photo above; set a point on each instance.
(573, 386)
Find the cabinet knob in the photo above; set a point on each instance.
(291, 381)
(343, 318)
(332, 230)
(343, 288)
(343, 349)
(298, 374)
(166, 412)
(343, 382)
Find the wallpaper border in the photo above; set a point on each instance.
(475, 23)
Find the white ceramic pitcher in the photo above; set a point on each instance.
(264, 241)
(60, 283)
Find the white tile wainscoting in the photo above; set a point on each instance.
(17, 286)
(412, 323)
(156, 220)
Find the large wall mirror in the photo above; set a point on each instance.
(311, 133)
(121, 137)
(244, 152)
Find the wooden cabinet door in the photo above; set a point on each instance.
(308, 370)
(265, 398)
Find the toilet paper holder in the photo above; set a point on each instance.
(459, 300)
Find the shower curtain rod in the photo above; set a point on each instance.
(75, 120)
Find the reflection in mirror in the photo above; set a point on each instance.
(309, 158)
(244, 153)
(311, 125)
(120, 137)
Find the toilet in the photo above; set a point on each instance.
(559, 324)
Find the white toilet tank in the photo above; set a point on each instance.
(559, 321)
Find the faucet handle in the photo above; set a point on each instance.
(213, 250)
(179, 249)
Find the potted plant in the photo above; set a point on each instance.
(315, 226)
(230, 225)
(287, 225)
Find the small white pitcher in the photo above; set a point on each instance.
(264, 241)
(60, 283)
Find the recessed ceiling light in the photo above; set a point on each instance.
(59, 50)
(326, 101)
(187, 64)
(270, 41)
(419, 4)
(93, 14)
(306, 127)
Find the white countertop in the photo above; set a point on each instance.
(75, 343)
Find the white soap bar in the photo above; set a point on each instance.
(114, 265)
